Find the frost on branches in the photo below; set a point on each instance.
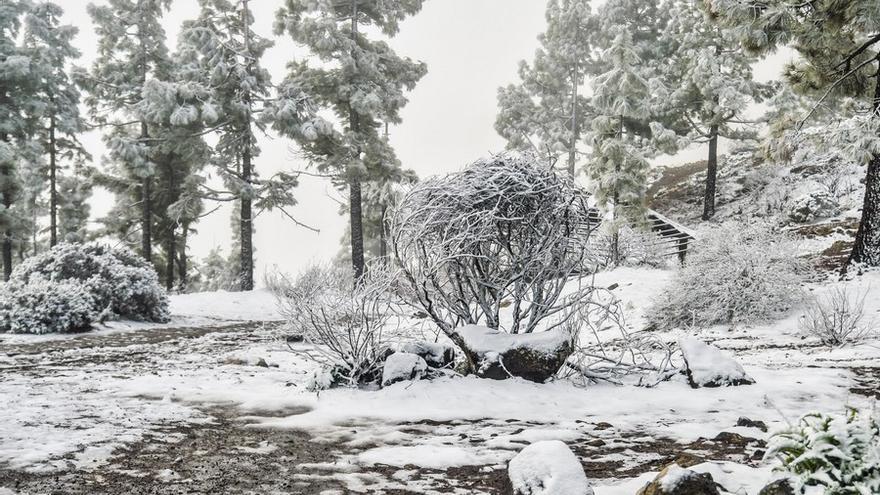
(737, 273)
(504, 236)
(121, 283)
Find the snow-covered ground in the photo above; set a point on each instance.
(87, 403)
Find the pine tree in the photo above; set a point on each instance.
(15, 96)
(547, 111)
(839, 46)
(713, 84)
(622, 98)
(361, 81)
(131, 51)
(55, 125)
(74, 209)
(223, 55)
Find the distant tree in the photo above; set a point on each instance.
(711, 84)
(56, 123)
(839, 48)
(360, 80)
(547, 110)
(618, 164)
(74, 209)
(223, 54)
(131, 51)
(16, 92)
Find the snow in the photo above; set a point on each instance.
(484, 340)
(427, 456)
(402, 366)
(548, 468)
(709, 366)
(674, 476)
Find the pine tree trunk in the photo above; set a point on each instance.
(355, 196)
(146, 208)
(383, 240)
(53, 185)
(711, 175)
(170, 254)
(7, 235)
(866, 249)
(246, 277)
(182, 268)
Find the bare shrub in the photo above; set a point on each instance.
(502, 244)
(737, 273)
(635, 247)
(346, 323)
(606, 351)
(838, 318)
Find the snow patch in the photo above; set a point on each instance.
(548, 468)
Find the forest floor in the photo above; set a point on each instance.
(213, 407)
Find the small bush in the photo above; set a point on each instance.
(121, 283)
(736, 273)
(839, 453)
(837, 318)
(346, 322)
(46, 307)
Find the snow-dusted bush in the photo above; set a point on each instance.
(45, 307)
(837, 318)
(505, 235)
(736, 273)
(121, 283)
(839, 453)
(346, 323)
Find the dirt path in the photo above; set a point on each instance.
(222, 452)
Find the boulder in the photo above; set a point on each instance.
(547, 468)
(812, 206)
(778, 487)
(708, 366)
(402, 366)
(675, 480)
(435, 354)
(499, 355)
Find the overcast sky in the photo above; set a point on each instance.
(471, 47)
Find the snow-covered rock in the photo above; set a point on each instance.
(547, 468)
(437, 355)
(499, 355)
(778, 487)
(708, 366)
(675, 480)
(813, 205)
(402, 366)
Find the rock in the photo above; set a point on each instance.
(730, 438)
(402, 366)
(708, 366)
(778, 487)
(812, 206)
(261, 363)
(547, 468)
(498, 355)
(748, 423)
(296, 339)
(675, 480)
(435, 354)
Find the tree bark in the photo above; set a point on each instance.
(246, 277)
(355, 196)
(170, 255)
(7, 234)
(146, 182)
(182, 268)
(711, 175)
(53, 184)
(866, 250)
(383, 239)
